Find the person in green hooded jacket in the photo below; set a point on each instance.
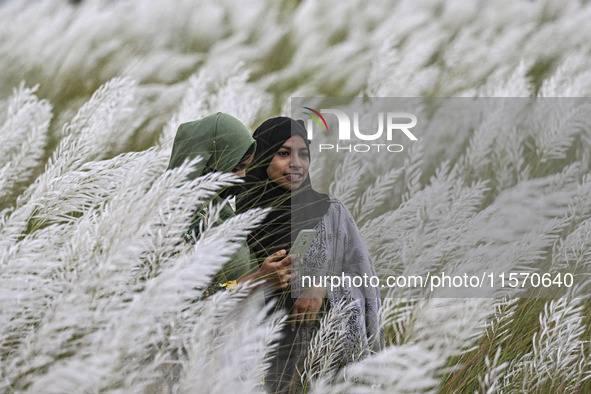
(226, 145)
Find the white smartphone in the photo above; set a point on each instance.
(303, 242)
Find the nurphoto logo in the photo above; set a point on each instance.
(395, 124)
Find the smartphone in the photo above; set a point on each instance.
(303, 242)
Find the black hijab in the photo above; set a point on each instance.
(291, 211)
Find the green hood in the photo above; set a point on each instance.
(221, 139)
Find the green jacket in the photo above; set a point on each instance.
(222, 141)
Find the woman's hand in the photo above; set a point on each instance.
(275, 270)
(307, 306)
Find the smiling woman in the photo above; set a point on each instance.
(289, 167)
(279, 179)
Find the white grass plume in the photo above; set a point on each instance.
(326, 353)
(555, 126)
(571, 78)
(376, 195)
(557, 360)
(84, 139)
(407, 368)
(193, 106)
(231, 339)
(235, 95)
(490, 382)
(24, 135)
(106, 248)
(347, 179)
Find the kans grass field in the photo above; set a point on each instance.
(91, 94)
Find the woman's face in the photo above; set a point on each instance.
(289, 167)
